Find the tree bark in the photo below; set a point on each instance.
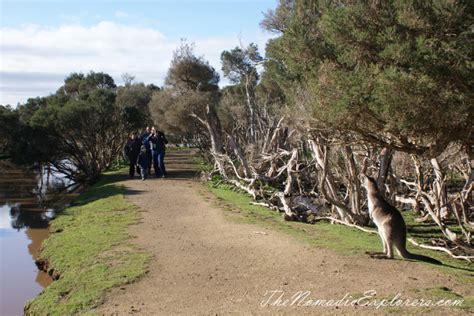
(326, 181)
(215, 138)
(239, 154)
(354, 183)
(251, 108)
(440, 190)
(385, 162)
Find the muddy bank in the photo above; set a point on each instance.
(43, 265)
(88, 251)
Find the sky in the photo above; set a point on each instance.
(41, 42)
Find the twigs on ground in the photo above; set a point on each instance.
(444, 249)
(332, 219)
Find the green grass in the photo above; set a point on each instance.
(90, 249)
(337, 237)
(444, 293)
(423, 232)
(202, 165)
(342, 239)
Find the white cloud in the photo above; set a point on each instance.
(5, 219)
(35, 59)
(121, 14)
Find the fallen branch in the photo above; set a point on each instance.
(422, 219)
(405, 200)
(247, 189)
(289, 214)
(444, 249)
(412, 241)
(273, 207)
(370, 231)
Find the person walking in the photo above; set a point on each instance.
(142, 162)
(145, 138)
(132, 149)
(158, 145)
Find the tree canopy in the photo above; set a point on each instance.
(81, 129)
(190, 72)
(191, 90)
(398, 74)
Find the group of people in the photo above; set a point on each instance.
(145, 150)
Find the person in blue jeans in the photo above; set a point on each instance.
(158, 143)
(145, 138)
(142, 162)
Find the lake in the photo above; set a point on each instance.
(28, 201)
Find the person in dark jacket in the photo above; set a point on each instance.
(132, 148)
(142, 162)
(145, 138)
(158, 145)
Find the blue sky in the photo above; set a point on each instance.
(43, 41)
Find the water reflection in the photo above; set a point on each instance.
(29, 219)
(28, 201)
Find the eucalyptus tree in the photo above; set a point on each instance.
(134, 99)
(188, 103)
(388, 74)
(9, 125)
(398, 74)
(83, 126)
(239, 65)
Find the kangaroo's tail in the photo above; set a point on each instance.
(408, 255)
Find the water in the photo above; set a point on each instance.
(28, 201)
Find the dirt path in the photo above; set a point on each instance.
(205, 264)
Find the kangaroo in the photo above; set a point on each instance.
(390, 224)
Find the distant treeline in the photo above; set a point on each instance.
(80, 129)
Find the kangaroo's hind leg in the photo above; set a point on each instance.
(385, 245)
(388, 240)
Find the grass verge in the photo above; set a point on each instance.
(343, 240)
(89, 247)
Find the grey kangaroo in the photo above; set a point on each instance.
(390, 224)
